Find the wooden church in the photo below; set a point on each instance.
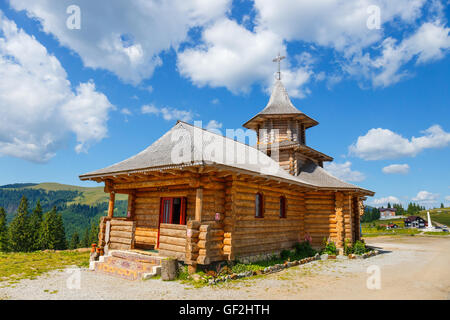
(201, 197)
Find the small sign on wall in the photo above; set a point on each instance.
(189, 233)
(217, 216)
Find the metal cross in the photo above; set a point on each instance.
(278, 59)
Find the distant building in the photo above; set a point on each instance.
(415, 222)
(387, 213)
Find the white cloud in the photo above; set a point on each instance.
(215, 101)
(168, 113)
(380, 143)
(213, 125)
(340, 24)
(344, 172)
(38, 109)
(396, 169)
(425, 197)
(239, 56)
(383, 202)
(428, 43)
(126, 112)
(131, 48)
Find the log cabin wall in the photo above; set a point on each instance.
(320, 218)
(247, 236)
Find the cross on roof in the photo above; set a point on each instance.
(278, 59)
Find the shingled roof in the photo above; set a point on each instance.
(185, 145)
(280, 104)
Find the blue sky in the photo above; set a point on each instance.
(75, 100)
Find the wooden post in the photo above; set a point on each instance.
(199, 204)
(339, 198)
(130, 208)
(112, 198)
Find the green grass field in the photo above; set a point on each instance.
(90, 195)
(18, 266)
(439, 215)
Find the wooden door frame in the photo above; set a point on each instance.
(161, 213)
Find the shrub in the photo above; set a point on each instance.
(359, 248)
(285, 254)
(329, 248)
(348, 249)
(304, 249)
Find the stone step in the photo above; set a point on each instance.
(117, 271)
(136, 257)
(128, 265)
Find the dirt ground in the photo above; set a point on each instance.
(410, 268)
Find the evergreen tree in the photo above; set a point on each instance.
(61, 243)
(93, 234)
(74, 241)
(3, 231)
(442, 206)
(19, 229)
(35, 227)
(85, 241)
(389, 205)
(52, 231)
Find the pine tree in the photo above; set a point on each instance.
(3, 231)
(442, 206)
(61, 243)
(93, 234)
(74, 241)
(35, 227)
(52, 231)
(389, 205)
(19, 229)
(85, 241)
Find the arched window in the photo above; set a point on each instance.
(282, 207)
(259, 206)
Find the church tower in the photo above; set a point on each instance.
(282, 123)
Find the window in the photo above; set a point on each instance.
(173, 210)
(282, 207)
(259, 206)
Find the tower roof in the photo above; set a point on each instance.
(280, 106)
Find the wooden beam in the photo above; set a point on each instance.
(199, 204)
(112, 198)
(131, 206)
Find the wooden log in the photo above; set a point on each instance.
(121, 240)
(120, 234)
(171, 247)
(173, 233)
(173, 254)
(173, 226)
(172, 240)
(112, 197)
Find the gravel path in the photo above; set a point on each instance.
(410, 268)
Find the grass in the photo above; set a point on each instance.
(18, 266)
(89, 196)
(438, 233)
(374, 232)
(439, 215)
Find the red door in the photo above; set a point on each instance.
(167, 213)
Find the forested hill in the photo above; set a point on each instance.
(79, 206)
